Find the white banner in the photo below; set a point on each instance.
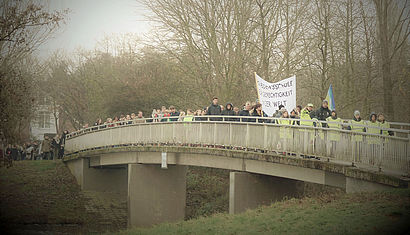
(271, 95)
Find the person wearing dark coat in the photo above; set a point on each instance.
(293, 115)
(14, 153)
(214, 109)
(8, 151)
(62, 144)
(173, 113)
(246, 112)
(322, 113)
(229, 112)
(257, 112)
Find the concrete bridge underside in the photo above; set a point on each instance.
(158, 195)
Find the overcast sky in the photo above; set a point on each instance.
(90, 20)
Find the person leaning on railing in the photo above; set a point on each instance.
(173, 113)
(246, 111)
(139, 118)
(357, 125)
(214, 109)
(285, 132)
(334, 122)
(257, 112)
(321, 113)
(293, 115)
(384, 124)
(228, 111)
(189, 116)
(284, 118)
(373, 127)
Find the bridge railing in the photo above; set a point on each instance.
(386, 153)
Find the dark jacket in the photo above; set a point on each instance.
(263, 114)
(321, 114)
(174, 114)
(229, 112)
(214, 110)
(245, 112)
(295, 122)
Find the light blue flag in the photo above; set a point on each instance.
(330, 99)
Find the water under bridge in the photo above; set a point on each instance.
(268, 161)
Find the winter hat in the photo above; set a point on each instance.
(325, 101)
(373, 114)
(356, 113)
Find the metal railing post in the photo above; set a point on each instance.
(247, 135)
(230, 134)
(265, 137)
(215, 134)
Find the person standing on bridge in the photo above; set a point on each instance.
(189, 116)
(294, 115)
(173, 113)
(305, 115)
(373, 127)
(334, 122)
(285, 131)
(140, 117)
(228, 112)
(214, 109)
(246, 111)
(278, 113)
(258, 112)
(384, 124)
(322, 113)
(357, 126)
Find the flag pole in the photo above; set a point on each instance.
(257, 89)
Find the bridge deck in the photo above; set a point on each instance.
(369, 151)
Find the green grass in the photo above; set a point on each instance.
(362, 213)
(41, 165)
(42, 192)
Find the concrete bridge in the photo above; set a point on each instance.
(267, 161)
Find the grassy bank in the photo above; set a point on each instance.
(362, 213)
(44, 196)
(39, 196)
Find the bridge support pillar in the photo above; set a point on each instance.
(248, 191)
(113, 179)
(155, 195)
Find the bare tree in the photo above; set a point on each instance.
(24, 25)
(393, 32)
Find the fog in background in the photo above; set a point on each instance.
(89, 21)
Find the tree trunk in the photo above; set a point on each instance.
(384, 43)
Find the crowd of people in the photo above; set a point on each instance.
(48, 149)
(306, 116)
(53, 147)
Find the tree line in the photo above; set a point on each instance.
(201, 49)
